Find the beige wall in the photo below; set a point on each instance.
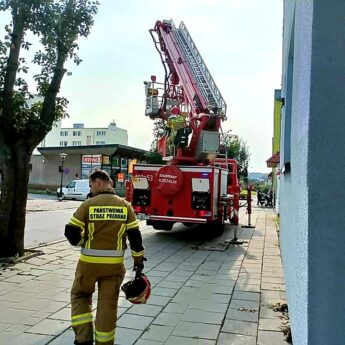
(45, 169)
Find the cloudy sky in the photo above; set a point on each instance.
(239, 40)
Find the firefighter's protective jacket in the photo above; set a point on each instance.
(101, 225)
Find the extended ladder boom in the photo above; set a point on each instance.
(188, 101)
(188, 69)
(206, 84)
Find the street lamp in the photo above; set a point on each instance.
(62, 157)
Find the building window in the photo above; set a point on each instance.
(63, 143)
(76, 143)
(78, 125)
(100, 133)
(76, 133)
(100, 142)
(64, 133)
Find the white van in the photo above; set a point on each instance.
(76, 189)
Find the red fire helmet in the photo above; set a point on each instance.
(137, 290)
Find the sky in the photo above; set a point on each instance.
(240, 42)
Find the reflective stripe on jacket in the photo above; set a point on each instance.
(104, 222)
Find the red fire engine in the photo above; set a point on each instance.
(198, 184)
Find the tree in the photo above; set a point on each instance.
(24, 119)
(237, 149)
(153, 157)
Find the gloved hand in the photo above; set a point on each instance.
(139, 265)
(73, 235)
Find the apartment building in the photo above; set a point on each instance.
(78, 135)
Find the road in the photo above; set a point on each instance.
(46, 218)
(46, 226)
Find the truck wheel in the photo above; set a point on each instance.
(218, 225)
(188, 225)
(217, 228)
(162, 225)
(213, 229)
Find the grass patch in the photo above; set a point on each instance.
(38, 191)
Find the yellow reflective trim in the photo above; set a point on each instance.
(118, 213)
(137, 253)
(134, 224)
(81, 315)
(87, 244)
(105, 336)
(81, 239)
(104, 340)
(81, 319)
(73, 222)
(101, 259)
(76, 323)
(76, 220)
(119, 236)
(91, 229)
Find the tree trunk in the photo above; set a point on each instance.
(14, 190)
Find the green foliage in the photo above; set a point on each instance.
(65, 22)
(264, 187)
(26, 116)
(58, 24)
(153, 157)
(237, 149)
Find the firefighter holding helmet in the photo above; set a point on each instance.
(101, 226)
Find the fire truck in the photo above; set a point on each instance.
(198, 184)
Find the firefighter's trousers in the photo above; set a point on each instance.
(109, 278)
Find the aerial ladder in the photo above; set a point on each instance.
(198, 185)
(189, 86)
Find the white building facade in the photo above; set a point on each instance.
(312, 163)
(78, 135)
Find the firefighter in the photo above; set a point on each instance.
(101, 226)
(175, 122)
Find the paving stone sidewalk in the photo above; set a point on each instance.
(199, 297)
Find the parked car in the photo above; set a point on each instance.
(76, 189)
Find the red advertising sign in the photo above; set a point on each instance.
(91, 159)
(120, 177)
